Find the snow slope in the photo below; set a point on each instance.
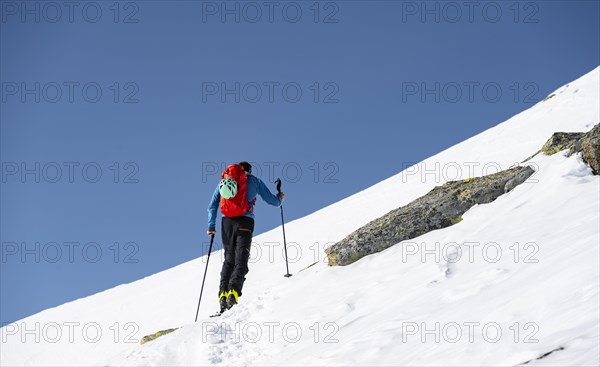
(516, 279)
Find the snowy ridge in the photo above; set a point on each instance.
(542, 292)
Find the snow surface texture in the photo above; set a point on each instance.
(514, 280)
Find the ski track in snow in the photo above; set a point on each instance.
(362, 310)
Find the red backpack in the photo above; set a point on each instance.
(237, 205)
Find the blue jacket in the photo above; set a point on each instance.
(255, 186)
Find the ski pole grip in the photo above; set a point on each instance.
(278, 182)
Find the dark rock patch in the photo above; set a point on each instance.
(441, 207)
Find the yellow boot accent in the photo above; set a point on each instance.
(223, 294)
(235, 294)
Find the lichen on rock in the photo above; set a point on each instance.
(560, 141)
(441, 207)
(151, 337)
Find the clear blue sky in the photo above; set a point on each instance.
(176, 60)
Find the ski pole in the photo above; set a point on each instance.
(287, 275)
(212, 237)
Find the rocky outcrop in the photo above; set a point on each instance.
(441, 207)
(591, 152)
(588, 144)
(560, 141)
(444, 205)
(577, 146)
(589, 147)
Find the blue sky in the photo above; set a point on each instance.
(114, 119)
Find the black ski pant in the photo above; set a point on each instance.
(237, 237)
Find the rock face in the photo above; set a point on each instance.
(589, 147)
(588, 144)
(578, 144)
(591, 152)
(560, 141)
(441, 207)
